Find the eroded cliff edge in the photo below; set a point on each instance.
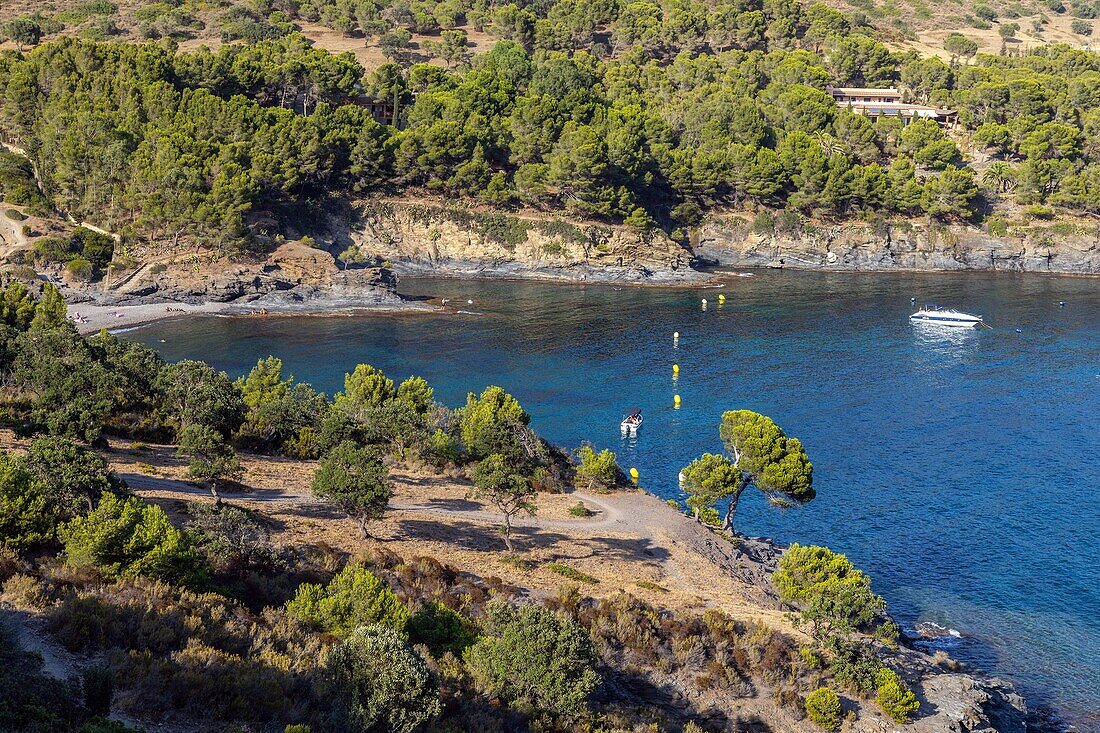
(438, 239)
(1059, 248)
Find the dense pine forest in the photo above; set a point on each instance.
(642, 113)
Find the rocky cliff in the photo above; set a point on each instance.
(1055, 248)
(434, 238)
(293, 275)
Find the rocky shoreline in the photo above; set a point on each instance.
(901, 247)
(578, 273)
(963, 701)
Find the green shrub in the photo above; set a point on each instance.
(894, 696)
(597, 470)
(811, 658)
(1035, 211)
(355, 597)
(230, 537)
(98, 684)
(710, 516)
(534, 657)
(52, 250)
(385, 686)
(105, 725)
(997, 226)
(489, 423)
(16, 215)
(97, 248)
(17, 184)
(26, 516)
(823, 707)
(441, 629)
(72, 476)
(580, 510)
(80, 269)
(572, 573)
(127, 538)
(853, 667)
(763, 224)
(834, 597)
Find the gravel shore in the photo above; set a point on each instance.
(93, 318)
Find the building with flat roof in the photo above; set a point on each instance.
(876, 103)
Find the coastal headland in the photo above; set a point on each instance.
(630, 544)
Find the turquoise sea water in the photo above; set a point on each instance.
(959, 468)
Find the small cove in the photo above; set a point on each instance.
(957, 467)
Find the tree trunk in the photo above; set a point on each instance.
(363, 527)
(214, 492)
(696, 510)
(508, 532)
(731, 510)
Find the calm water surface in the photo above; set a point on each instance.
(958, 467)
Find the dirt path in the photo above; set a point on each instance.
(12, 234)
(667, 537)
(607, 517)
(56, 661)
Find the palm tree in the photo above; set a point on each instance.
(1001, 175)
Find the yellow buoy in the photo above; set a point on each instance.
(675, 368)
(721, 298)
(634, 474)
(676, 400)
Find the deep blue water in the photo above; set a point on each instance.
(959, 468)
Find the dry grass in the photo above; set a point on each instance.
(646, 557)
(367, 51)
(1057, 30)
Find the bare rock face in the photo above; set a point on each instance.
(294, 274)
(965, 704)
(1058, 248)
(458, 242)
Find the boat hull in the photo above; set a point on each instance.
(945, 321)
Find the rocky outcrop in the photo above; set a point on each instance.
(951, 700)
(294, 274)
(430, 238)
(1060, 248)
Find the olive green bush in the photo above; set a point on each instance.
(127, 538)
(441, 629)
(894, 696)
(833, 596)
(597, 470)
(355, 597)
(384, 686)
(534, 657)
(823, 708)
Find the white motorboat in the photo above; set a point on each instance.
(938, 316)
(631, 422)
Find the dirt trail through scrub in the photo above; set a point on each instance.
(634, 514)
